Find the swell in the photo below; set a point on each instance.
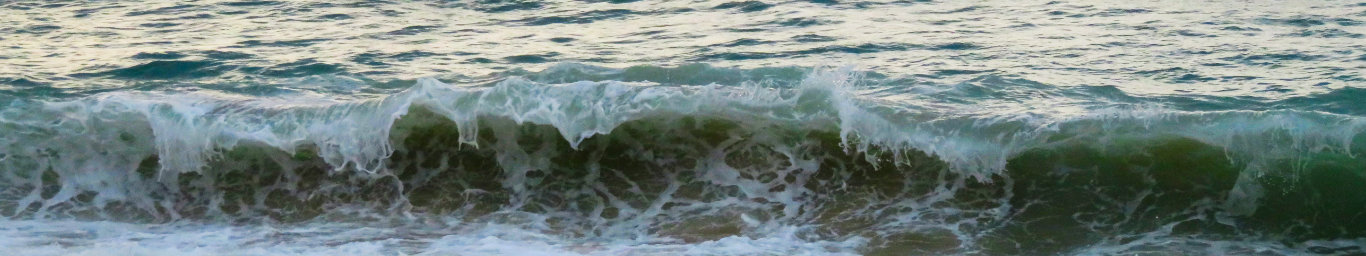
(690, 163)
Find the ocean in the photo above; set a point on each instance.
(623, 127)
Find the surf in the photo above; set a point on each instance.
(598, 154)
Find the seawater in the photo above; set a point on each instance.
(682, 128)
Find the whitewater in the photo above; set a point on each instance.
(668, 128)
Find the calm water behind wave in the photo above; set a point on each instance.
(1264, 49)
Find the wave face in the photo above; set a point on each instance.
(685, 160)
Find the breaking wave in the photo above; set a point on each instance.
(819, 159)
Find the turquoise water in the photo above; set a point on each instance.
(682, 128)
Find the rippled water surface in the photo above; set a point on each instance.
(623, 127)
(1262, 48)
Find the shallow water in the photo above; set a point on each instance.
(692, 128)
